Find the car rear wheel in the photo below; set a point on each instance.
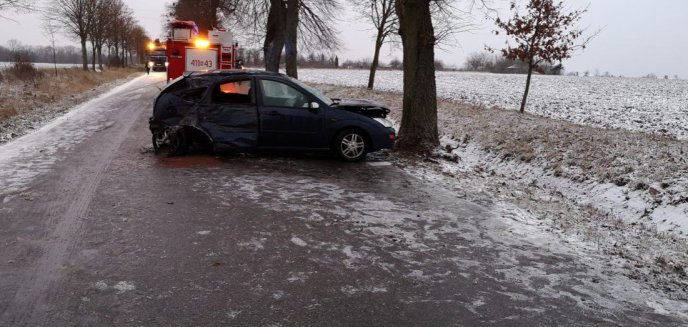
(351, 145)
(170, 142)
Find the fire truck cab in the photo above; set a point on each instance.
(188, 51)
(157, 56)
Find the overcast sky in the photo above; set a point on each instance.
(638, 37)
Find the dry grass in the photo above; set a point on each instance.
(18, 96)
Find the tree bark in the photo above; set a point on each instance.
(93, 53)
(84, 54)
(376, 59)
(100, 56)
(525, 94)
(274, 36)
(418, 132)
(290, 45)
(54, 57)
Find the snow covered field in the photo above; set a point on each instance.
(647, 105)
(40, 65)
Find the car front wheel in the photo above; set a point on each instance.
(351, 145)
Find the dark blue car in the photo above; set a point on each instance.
(244, 110)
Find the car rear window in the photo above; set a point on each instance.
(236, 92)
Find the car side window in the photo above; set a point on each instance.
(234, 92)
(277, 94)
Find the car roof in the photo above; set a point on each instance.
(232, 72)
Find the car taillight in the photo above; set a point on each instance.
(392, 136)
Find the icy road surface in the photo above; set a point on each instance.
(638, 104)
(97, 231)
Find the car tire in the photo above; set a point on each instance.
(351, 145)
(170, 142)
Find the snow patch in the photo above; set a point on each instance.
(101, 285)
(124, 286)
(298, 241)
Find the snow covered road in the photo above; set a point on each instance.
(99, 231)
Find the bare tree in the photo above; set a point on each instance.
(274, 35)
(16, 5)
(291, 37)
(205, 13)
(419, 37)
(382, 14)
(544, 34)
(286, 24)
(50, 29)
(100, 10)
(75, 19)
(116, 10)
(418, 130)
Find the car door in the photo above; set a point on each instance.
(286, 117)
(230, 116)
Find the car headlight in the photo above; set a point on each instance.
(150, 64)
(384, 122)
(167, 64)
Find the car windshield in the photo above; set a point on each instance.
(314, 91)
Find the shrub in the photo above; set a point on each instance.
(24, 70)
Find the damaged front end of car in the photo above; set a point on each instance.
(364, 107)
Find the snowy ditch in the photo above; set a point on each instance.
(621, 202)
(646, 105)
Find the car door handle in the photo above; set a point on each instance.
(274, 113)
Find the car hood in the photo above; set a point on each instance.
(364, 107)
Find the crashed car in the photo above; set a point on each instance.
(239, 110)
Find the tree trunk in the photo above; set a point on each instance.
(290, 45)
(418, 132)
(93, 60)
(54, 57)
(274, 36)
(100, 57)
(525, 94)
(376, 60)
(117, 61)
(84, 54)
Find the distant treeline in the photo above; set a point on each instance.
(254, 58)
(493, 63)
(64, 54)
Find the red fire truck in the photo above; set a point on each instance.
(188, 51)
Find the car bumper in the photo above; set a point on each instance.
(383, 140)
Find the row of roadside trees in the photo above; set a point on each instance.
(100, 26)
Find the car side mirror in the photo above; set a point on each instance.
(314, 105)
